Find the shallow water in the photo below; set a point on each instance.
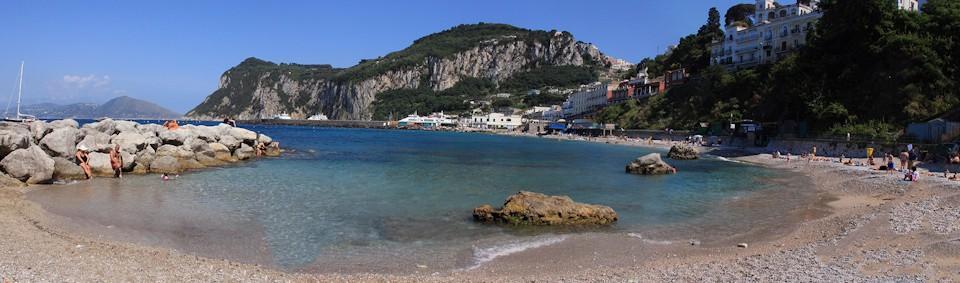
(377, 200)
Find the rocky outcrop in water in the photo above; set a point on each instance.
(42, 152)
(683, 152)
(257, 88)
(529, 208)
(650, 164)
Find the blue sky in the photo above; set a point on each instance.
(173, 52)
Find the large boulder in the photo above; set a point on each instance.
(100, 164)
(244, 152)
(150, 129)
(11, 140)
(650, 164)
(106, 126)
(165, 164)
(175, 137)
(95, 141)
(220, 151)
(153, 142)
(126, 126)
(529, 208)
(205, 133)
(130, 141)
(30, 165)
(143, 159)
(39, 129)
(129, 161)
(273, 149)
(230, 141)
(178, 152)
(63, 123)
(61, 142)
(683, 152)
(64, 169)
(243, 135)
(264, 139)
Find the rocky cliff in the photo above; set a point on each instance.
(258, 88)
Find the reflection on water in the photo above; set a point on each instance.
(346, 197)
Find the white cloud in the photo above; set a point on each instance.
(78, 88)
(81, 81)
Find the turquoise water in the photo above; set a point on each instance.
(376, 197)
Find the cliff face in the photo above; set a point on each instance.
(257, 88)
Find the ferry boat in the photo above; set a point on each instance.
(433, 121)
(283, 116)
(318, 117)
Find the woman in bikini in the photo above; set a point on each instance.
(84, 161)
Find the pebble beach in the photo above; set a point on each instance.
(865, 225)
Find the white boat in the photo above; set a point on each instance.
(283, 116)
(434, 120)
(318, 117)
(20, 116)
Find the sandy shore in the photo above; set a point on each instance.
(863, 226)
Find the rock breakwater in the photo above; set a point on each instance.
(44, 152)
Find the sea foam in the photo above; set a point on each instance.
(487, 254)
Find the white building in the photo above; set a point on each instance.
(496, 121)
(776, 31)
(554, 114)
(588, 99)
(909, 5)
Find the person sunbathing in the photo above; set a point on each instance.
(171, 125)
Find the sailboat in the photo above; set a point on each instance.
(22, 118)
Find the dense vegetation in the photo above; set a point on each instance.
(443, 44)
(425, 100)
(246, 76)
(739, 13)
(868, 68)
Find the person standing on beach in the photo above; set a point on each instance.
(904, 156)
(116, 161)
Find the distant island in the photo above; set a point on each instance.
(123, 107)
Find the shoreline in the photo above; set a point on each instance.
(853, 240)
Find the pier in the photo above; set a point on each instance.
(319, 123)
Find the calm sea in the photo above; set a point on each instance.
(384, 198)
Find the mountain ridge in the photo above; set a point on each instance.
(257, 88)
(119, 107)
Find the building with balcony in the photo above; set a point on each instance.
(774, 31)
(588, 99)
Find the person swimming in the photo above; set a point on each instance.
(165, 177)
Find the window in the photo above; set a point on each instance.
(783, 46)
(771, 16)
(783, 13)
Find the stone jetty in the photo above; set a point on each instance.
(529, 208)
(43, 152)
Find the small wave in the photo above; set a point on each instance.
(649, 241)
(484, 255)
(721, 158)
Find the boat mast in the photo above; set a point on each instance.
(19, 89)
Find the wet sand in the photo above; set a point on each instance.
(861, 226)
